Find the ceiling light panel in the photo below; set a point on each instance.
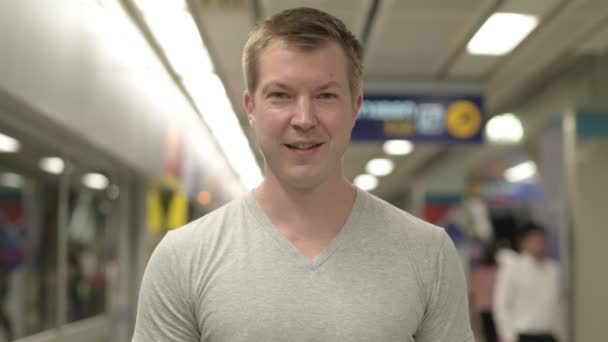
(52, 165)
(95, 181)
(8, 144)
(501, 33)
(504, 129)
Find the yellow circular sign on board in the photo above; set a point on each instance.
(463, 119)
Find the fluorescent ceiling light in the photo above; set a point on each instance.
(53, 165)
(175, 31)
(521, 172)
(379, 166)
(501, 33)
(398, 147)
(8, 144)
(212, 101)
(110, 23)
(160, 7)
(95, 181)
(366, 182)
(504, 129)
(11, 180)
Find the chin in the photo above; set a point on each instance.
(302, 180)
(303, 183)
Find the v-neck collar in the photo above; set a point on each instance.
(345, 233)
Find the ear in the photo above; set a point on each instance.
(356, 107)
(249, 107)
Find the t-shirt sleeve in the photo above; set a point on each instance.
(503, 291)
(446, 315)
(164, 312)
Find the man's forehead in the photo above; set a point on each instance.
(281, 84)
(280, 44)
(280, 48)
(326, 74)
(300, 45)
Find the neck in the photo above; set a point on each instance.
(307, 212)
(535, 257)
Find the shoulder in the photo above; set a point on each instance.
(211, 222)
(552, 265)
(197, 234)
(505, 256)
(421, 245)
(402, 226)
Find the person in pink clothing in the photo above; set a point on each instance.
(482, 280)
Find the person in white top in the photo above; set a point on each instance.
(528, 293)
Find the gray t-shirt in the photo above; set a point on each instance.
(232, 276)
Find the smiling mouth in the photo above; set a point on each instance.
(303, 147)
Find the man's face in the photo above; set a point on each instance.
(302, 112)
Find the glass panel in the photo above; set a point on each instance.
(28, 248)
(89, 248)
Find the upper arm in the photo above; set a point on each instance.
(164, 311)
(503, 291)
(503, 288)
(446, 316)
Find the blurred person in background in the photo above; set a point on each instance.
(305, 256)
(11, 257)
(504, 253)
(482, 282)
(527, 298)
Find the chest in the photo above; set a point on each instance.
(536, 284)
(342, 300)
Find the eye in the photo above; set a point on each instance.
(327, 96)
(278, 95)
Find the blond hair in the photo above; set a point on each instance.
(308, 29)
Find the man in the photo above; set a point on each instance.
(527, 295)
(305, 256)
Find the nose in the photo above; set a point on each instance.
(304, 117)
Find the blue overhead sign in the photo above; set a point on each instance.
(432, 118)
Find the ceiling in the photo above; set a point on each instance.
(420, 46)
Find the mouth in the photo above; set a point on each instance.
(303, 147)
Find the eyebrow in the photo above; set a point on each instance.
(329, 85)
(286, 87)
(274, 84)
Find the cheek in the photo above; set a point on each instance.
(268, 131)
(344, 126)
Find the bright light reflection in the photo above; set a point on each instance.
(521, 172)
(366, 182)
(379, 166)
(53, 165)
(398, 147)
(11, 180)
(95, 181)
